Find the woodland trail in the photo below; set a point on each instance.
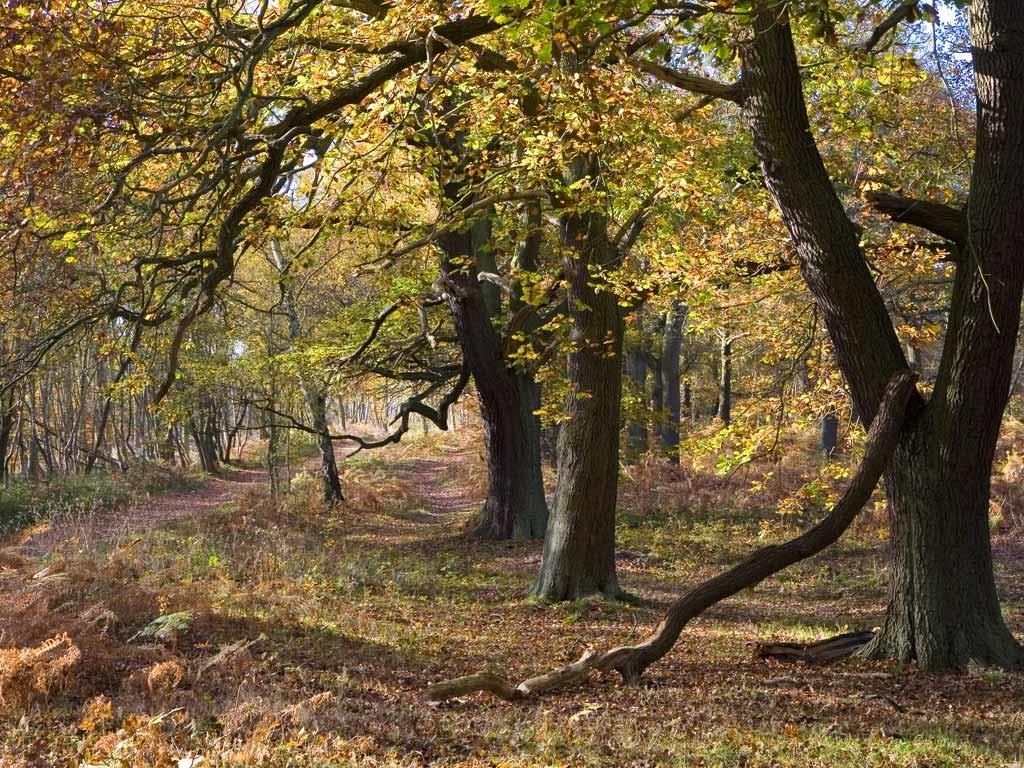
(440, 484)
(89, 528)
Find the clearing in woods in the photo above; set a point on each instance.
(226, 625)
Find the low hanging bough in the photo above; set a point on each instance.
(630, 661)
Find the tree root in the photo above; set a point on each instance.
(630, 661)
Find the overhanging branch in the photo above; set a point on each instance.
(686, 81)
(943, 220)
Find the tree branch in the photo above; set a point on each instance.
(906, 11)
(943, 220)
(688, 82)
(630, 661)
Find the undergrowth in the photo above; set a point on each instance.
(279, 632)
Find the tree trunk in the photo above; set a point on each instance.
(636, 370)
(688, 404)
(829, 433)
(579, 548)
(724, 413)
(515, 504)
(317, 404)
(671, 347)
(943, 611)
(312, 393)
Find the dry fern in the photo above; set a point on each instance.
(29, 672)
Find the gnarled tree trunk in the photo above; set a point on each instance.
(515, 504)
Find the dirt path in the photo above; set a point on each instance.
(443, 485)
(90, 529)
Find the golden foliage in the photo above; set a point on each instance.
(29, 672)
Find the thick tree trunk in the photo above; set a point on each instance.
(671, 347)
(515, 504)
(944, 611)
(579, 548)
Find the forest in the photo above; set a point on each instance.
(511, 383)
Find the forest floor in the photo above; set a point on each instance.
(251, 631)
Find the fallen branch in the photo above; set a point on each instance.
(822, 652)
(498, 686)
(630, 661)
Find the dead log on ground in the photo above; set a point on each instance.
(822, 652)
(630, 661)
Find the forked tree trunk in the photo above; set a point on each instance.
(944, 611)
(579, 548)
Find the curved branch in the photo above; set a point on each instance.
(689, 82)
(906, 11)
(631, 660)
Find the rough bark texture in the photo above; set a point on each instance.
(944, 611)
(515, 504)
(579, 548)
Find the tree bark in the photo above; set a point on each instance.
(944, 611)
(579, 548)
(515, 506)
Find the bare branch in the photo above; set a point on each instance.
(686, 81)
(943, 220)
(906, 11)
